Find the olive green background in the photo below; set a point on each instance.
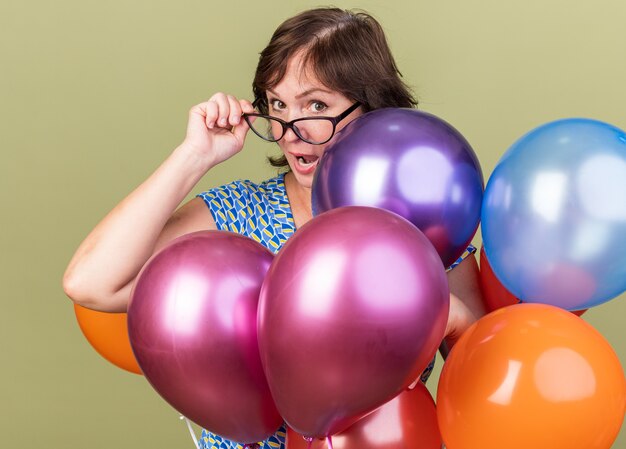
(95, 94)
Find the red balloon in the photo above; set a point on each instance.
(352, 310)
(408, 421)
(495, 295)
(192, 327)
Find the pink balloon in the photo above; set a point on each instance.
(192, 327)
(352, 310)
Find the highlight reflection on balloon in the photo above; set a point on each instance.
(411, 163)
(192, 327)
(531, 375)
(352, 310)
(554, 215)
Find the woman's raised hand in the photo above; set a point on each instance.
(215, 130)
(144, 221)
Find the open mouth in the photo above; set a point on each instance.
(306, 161)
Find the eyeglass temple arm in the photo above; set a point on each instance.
(347, 112)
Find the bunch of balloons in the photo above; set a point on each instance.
(554, 234)
(346, 316)
(341, 321)
(330, 334)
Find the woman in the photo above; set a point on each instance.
(321, 63)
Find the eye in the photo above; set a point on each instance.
(277, 105)
(318, 106)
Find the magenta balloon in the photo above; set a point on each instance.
(352, 310)
(192, 327)
(411, 163)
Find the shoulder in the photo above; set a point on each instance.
(249, 208)
(242, 191)
(191, 217)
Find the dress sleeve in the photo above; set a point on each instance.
(228, 205)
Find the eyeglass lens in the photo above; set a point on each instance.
(314, 131)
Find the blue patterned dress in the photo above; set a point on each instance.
(261, 212)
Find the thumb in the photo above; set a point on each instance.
(241, 130)
(197, 117)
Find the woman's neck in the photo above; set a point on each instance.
(299, 200)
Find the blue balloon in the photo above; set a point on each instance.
(554, 214)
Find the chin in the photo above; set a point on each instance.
(302, 180)
(305, 181)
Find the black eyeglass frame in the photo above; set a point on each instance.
(290, 125)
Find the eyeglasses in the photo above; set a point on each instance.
(313, 130)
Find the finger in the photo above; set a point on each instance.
(211, 109)
(246, 106)
(235, 110)
(197, 116)
(223, 109)
(240, 131)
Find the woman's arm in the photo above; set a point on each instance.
(466, 305)
(103, 269)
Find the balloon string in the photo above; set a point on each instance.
(329, 441)
(193, 434)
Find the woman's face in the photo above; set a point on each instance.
(300, 94)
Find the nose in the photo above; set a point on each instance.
(290, 135)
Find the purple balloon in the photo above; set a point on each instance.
(192, 327)
(411, 163)
(352, 310)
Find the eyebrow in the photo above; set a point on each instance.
(303, 94)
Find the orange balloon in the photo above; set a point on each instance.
(495, 295)
(409, 421)
(108, 334)
(531, 376)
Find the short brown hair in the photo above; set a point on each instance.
(347, 51)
